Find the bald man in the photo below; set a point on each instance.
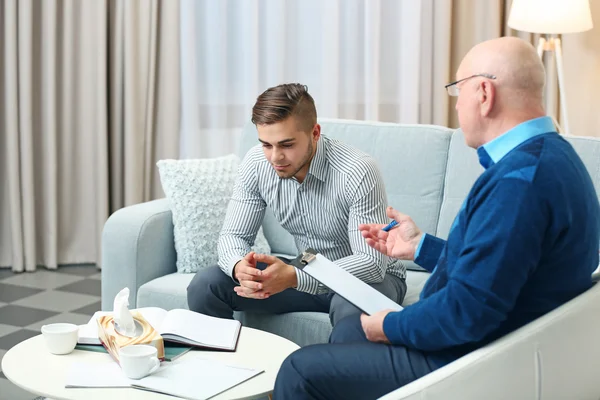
(524, 242)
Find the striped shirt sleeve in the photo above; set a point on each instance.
(244, 216)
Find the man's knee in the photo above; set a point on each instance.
(288, 379)
(287, 369)
(392, 287)
(348, 330)
(340, 309)
(207, 284)
(295, 372)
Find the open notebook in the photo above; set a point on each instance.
(178, 326)
(189, 378)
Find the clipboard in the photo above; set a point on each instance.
(346, 285)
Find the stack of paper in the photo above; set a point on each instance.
(189, 378)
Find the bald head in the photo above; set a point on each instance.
(488, 107)
(520, 75)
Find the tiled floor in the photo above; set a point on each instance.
(30, 300)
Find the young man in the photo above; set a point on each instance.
(524, 242)
(319, 190)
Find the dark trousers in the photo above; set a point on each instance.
(350, 367)
(211, 292)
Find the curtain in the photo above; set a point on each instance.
(90, 101)
(144, 96)
(53, 132)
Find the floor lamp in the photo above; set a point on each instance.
(552, 18)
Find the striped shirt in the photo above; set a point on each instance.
(342, 189)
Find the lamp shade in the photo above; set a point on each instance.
(550, 16)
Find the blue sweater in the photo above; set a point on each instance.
(524, 242)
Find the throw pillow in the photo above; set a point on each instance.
(199, 192)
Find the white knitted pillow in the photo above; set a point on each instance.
(199, 191)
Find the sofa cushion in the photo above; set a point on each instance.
(462, 171)
(168, 292)
(415, 280)
(589, 151)
(198, 192)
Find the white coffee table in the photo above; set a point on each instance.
(30, 366)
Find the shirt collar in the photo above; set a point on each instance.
(318, 165)
(493, 151)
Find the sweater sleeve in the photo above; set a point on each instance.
(429, 251)
(502, 246)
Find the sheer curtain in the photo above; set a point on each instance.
(385, 60)
(361, 59)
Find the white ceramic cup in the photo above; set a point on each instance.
(61, 338)
(138, 361)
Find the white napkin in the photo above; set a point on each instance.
(121, 314)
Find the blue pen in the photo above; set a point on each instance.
(390, 226)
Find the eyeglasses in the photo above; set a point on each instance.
(453, 90)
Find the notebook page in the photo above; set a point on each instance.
(95, 375)
(203, 329)
(88, 333)
(195, 378)
(154, 315)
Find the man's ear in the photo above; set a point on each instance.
(316, 133)
(487, 97)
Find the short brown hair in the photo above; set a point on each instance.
(280, 102)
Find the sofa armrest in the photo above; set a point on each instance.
(554, 357)
(137, 246)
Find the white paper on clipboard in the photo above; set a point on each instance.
(344, 283)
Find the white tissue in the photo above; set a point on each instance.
(121, 314)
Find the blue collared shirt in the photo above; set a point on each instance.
(493, 151)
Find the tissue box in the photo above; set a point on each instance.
(113, 341)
